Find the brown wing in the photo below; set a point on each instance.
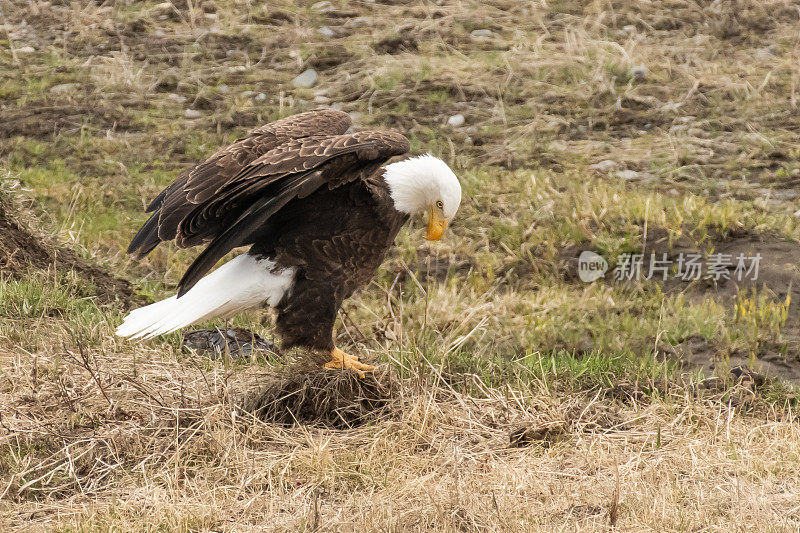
(239, 211)
(310, 157)
(201, 183)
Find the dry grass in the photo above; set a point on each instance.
(157, 443)
(512, 397)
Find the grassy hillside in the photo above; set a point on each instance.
(522, 397)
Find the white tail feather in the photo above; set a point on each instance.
(242, 283)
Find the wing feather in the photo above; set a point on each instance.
(227, 200)
(203, 181)
(271, 186)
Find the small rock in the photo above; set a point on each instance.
(176, 98)
(326, 31)
(323, 6)
(26, 50)
(337, 106)
(307, 79)
(673, 192)
(603, 166)
(211, 16)
(481, 34)
(639, 72)
(192, 114)
(630, 28)
(248, 94)
(319, 99)
(238, 68)
(628, 174)
(63, 88)
(224, 89)
(359, 21)
(456, 120)
(260, 97)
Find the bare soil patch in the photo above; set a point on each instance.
(778, 267)
(42, 119)
(778, 274)
(23, 249)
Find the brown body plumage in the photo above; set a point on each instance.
(305, 195)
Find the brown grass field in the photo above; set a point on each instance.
(511, 395)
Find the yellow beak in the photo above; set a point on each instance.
(436, 225)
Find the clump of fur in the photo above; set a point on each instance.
(330, 398)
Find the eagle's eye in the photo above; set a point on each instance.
(439, 204)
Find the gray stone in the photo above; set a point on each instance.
(481, 34)
(323, 6)
(326, 31)
(63, 88)
(224, 89)
(456, 120)
(26, 50)
(248, 94)
(319, 99)
(628, 174)
(192, 114)
(306, 80)
(176, 98)
(603, 166)
(359, 21)
(260, 97)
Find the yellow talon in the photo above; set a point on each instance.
(339, 359)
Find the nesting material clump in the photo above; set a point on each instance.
(331, 398)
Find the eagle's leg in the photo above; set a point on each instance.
(339, 359)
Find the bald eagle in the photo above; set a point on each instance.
(318, 211)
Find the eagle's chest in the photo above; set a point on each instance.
(343, 236)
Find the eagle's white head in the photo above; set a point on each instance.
(425, 183)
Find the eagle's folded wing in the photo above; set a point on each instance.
(292, 170)
(202, 182)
